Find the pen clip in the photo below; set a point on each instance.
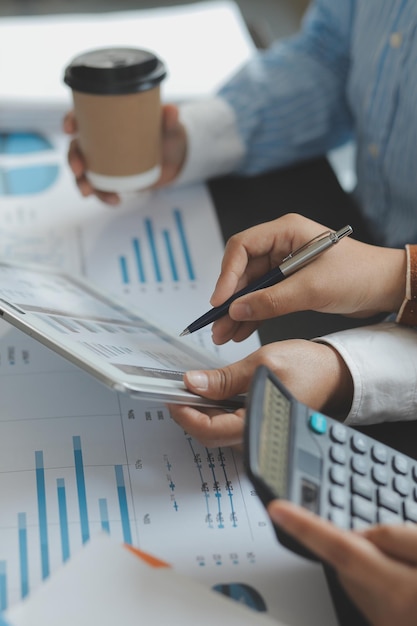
(327, 233)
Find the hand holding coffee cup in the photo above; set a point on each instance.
(174, 150)
(117, 107)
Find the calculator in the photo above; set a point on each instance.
(296, 453)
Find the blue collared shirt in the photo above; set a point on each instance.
(351, 73)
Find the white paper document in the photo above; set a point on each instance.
(106, 584)
(202, 44)
(77, 459)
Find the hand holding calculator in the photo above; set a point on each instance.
(293, 452)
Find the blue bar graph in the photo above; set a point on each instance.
(42, 516)
(63, 518)
(82, 497)
(152, 246)
(157, 253)
(23, 554)
(104, 515)
(3, 586)
(184, 244)
(170, 253)
(123, 269)
(124, 512)
(138, 259)
(62, 508)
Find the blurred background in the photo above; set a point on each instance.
(269, 18)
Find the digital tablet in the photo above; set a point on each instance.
(117, 345)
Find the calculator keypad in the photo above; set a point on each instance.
(368, 482)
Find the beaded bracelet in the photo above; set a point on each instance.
(407, 314)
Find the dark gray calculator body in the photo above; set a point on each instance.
(301, 455)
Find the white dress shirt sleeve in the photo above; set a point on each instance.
(382, 360)
(214, 146)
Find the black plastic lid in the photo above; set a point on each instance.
(114, 71)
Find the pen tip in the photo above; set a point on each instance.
(185, 332)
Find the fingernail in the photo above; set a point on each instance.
(198, 380)
(241, 311)
(276, 514)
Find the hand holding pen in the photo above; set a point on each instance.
(289, 265)
(325, 283)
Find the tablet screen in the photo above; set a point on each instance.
(79, 321)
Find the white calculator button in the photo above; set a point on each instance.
(400, 464)
(410, 510)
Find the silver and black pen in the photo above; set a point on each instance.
(291, 264)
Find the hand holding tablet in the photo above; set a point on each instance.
(120, 347)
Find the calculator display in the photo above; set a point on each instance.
(274, 439)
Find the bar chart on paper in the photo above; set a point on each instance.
(58, 505)
(77, 459)
(167, 251)
(61, 496)
(158, 249)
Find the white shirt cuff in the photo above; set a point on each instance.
(214, 146)
(382, 360)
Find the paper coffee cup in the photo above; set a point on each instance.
(117, 105)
